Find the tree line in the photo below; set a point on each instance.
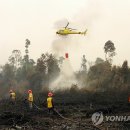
(23, 73)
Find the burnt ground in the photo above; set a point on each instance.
(75, 114)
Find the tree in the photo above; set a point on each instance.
(125, 71)
(41, 64)
(8, 74)
(26, 50)
(52, 67)
(99, 76)
(99, 61)
(109, 50)
(16, 58)
(83, 64)
(48, 68)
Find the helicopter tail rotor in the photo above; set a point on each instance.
(85, 32)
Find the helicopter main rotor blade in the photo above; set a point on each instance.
(67, 25)
(72, 29)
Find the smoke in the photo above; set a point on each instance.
(66, 77)
(74, 45)
(60, 45)
(60, 23)
(89, 14)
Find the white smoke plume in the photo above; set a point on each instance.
(66, 77)
(74, 45)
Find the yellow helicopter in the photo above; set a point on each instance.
(67, 31)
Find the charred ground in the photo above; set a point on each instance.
(76, 107)
(100, 87)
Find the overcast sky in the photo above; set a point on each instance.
(38, 20)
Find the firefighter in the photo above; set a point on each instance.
(50, 104)
(12, 96)
(30, 99)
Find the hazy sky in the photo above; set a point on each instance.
(38, 20)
